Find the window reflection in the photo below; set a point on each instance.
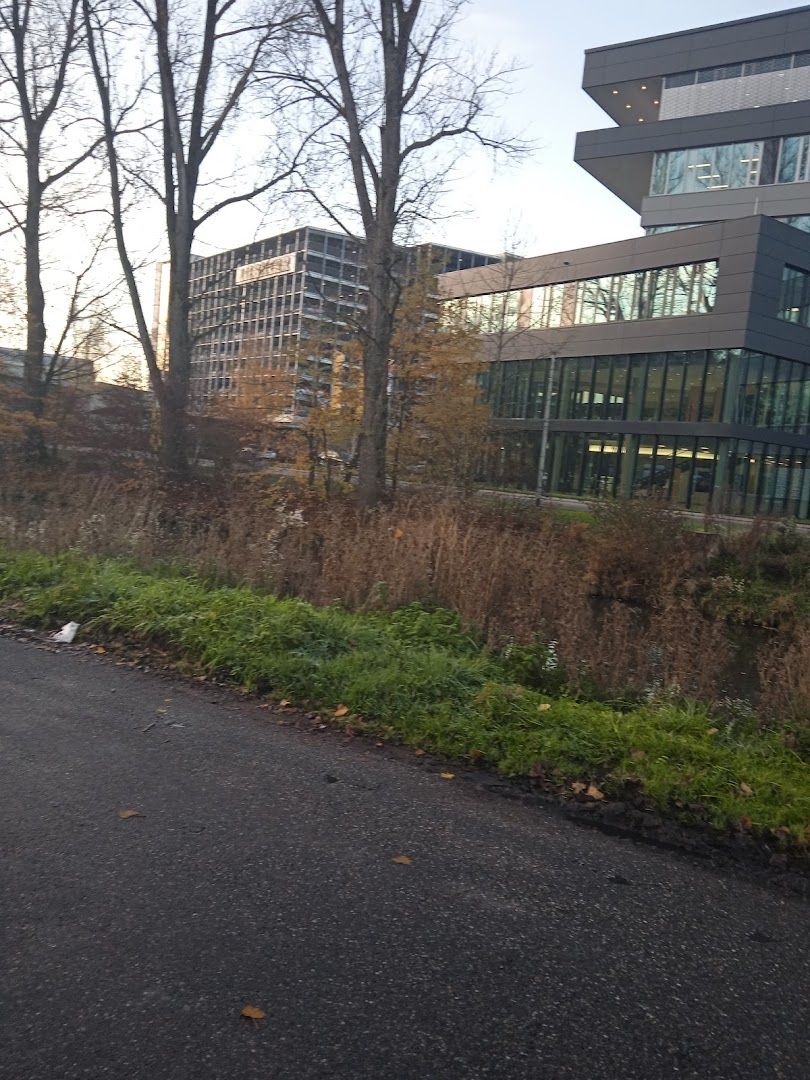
(756, 163)
(664, 292)
(723, 475)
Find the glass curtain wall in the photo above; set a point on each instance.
(735, 476)
(663, 292)
(794, 301)
(738, 71)
(733, 165)
(731, 386)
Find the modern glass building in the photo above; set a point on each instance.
(676, 364)
(288, 301)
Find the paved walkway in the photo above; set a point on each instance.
(515, 944)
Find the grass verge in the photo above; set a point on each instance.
(415, 675)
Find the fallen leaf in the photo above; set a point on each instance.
(379, 744)
(398, 533)
(712, 731)
(402, 860)
(161, 710)
(594, 793)
(543, 706)
(100, 650)
(447, 775)
(637, 755)
(746, 790)
(252, 1012)
(419, 752)
(578, 787)
(746, 823)
(477, 754)
(284, 703)
(341, 710)
(124, 814)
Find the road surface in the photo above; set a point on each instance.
(514, 945)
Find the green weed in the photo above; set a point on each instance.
(415, 673)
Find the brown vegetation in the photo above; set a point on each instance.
(618, 608)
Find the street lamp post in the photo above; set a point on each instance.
(540, 489)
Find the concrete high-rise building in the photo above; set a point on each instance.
(291, 300)
(675, 364)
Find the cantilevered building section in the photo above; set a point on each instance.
(679, 361)
(290, 301)
(712, 123)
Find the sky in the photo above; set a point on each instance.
(549, 199)
(546, 203)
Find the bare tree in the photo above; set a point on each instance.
(43, 128)
(205, 70)
(395, 91)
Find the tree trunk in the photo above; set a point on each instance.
(34, 374)
(174, 456)
(379, 330)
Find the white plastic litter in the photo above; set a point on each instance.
(66, 634)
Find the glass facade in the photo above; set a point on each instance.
(737, 71)
(735, 476)
(305, 297)
(794, 300)
(729, 386)
(664, 292)
(798, 221)
(733, 165)
(719, 386)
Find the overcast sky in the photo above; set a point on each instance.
(558, 204)
(548, 200)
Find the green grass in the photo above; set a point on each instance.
(415, 674)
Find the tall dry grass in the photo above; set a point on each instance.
(616, 601)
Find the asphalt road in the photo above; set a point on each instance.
(515, 945)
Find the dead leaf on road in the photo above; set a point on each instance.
(341, 710)
(100, 650)
(124, 814)
(252, 1012)
(419, 752)
(402, 860)
(447, 775)
(578, 787)
(594, 792)
(284, 703)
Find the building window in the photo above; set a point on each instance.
(733, 165)
(736, 71)
(794, 300)
(660, 293)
